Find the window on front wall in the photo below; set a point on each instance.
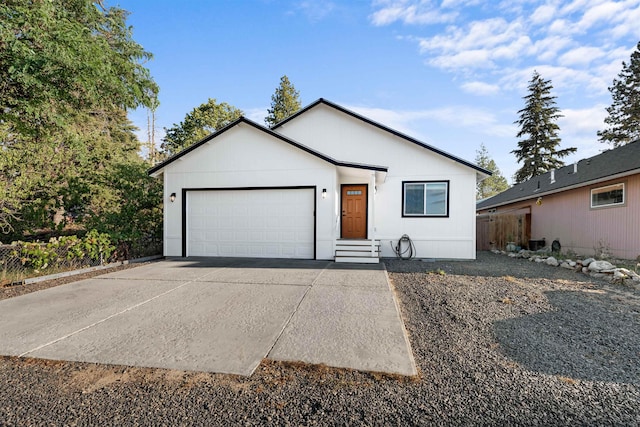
(611, 195)
(428, 198)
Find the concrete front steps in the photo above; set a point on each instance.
(364, 251)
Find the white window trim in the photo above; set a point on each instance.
(604, 189)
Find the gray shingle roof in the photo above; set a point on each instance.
(621, 160)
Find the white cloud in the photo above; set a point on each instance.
(605, 12)
(547, 49)
(480, 120)
(459, 3)
(256, 114)
(585, 121)
(582, 55)
(480, 34)
(478, 58)
(315, 10)
(574, 41)
(562, 78)
(543, 14)
(480, 88)
(408, 12)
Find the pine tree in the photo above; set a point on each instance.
(538, 152)
(284, 102)
(494, 184)
(624, 113)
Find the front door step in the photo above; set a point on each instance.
(357, 251)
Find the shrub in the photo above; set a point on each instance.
(66, 250)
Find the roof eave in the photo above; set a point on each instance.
(157, 170)
(384, 128)
(561, 189)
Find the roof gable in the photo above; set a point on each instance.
(243, 120)
(619, 161)
(375, 124)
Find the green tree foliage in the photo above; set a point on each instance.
(538, 152)
(623, 120)
(69, 70)
(199, 123)
(131, 211)
(494, 184)
(62, 56)
(284, 102)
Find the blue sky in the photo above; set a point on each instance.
(451, 73)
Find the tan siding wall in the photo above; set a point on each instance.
(567, 216)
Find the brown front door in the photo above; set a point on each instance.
(354, 212)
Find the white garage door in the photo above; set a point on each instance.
(275, 223)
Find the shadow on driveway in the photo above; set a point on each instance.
(276, 263)
(591, 335)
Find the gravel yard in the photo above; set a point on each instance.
(497, 341)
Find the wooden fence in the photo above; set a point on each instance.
(495, 231)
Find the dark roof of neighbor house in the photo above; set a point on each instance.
(283, 138)
(384, 128)
(624, 160)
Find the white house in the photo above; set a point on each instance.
(326, 183)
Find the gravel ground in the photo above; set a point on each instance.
(498, 341)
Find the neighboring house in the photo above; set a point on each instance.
(590, 207)
(326, 183)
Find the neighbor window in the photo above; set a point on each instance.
(610, 195)
(429, 198)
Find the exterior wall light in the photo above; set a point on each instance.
(324, 193)
(172, 197)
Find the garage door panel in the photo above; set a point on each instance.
(251, 223)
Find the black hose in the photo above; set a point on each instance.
(407, 253)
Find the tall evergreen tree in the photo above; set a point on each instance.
(494, 184)
(284, 102)
(624, 113)
(200, 122)
(538, 152)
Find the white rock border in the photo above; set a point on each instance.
(597, 269)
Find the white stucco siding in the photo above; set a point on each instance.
(348, 139)
(244, 157)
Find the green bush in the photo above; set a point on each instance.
(66, 250)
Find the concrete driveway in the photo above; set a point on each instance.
(215, 315)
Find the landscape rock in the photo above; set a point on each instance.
(572, 263)
(566, 265)
(552, 261)
(525, 253)
(587, 261)
(598, 266)
(540, 259)
(617, 274)
(585, 270)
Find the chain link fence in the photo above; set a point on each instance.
(23, 260)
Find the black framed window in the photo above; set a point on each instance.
(425, 198)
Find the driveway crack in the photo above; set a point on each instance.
(113, 315)
(296, 309)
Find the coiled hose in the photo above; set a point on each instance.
(410, 250)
